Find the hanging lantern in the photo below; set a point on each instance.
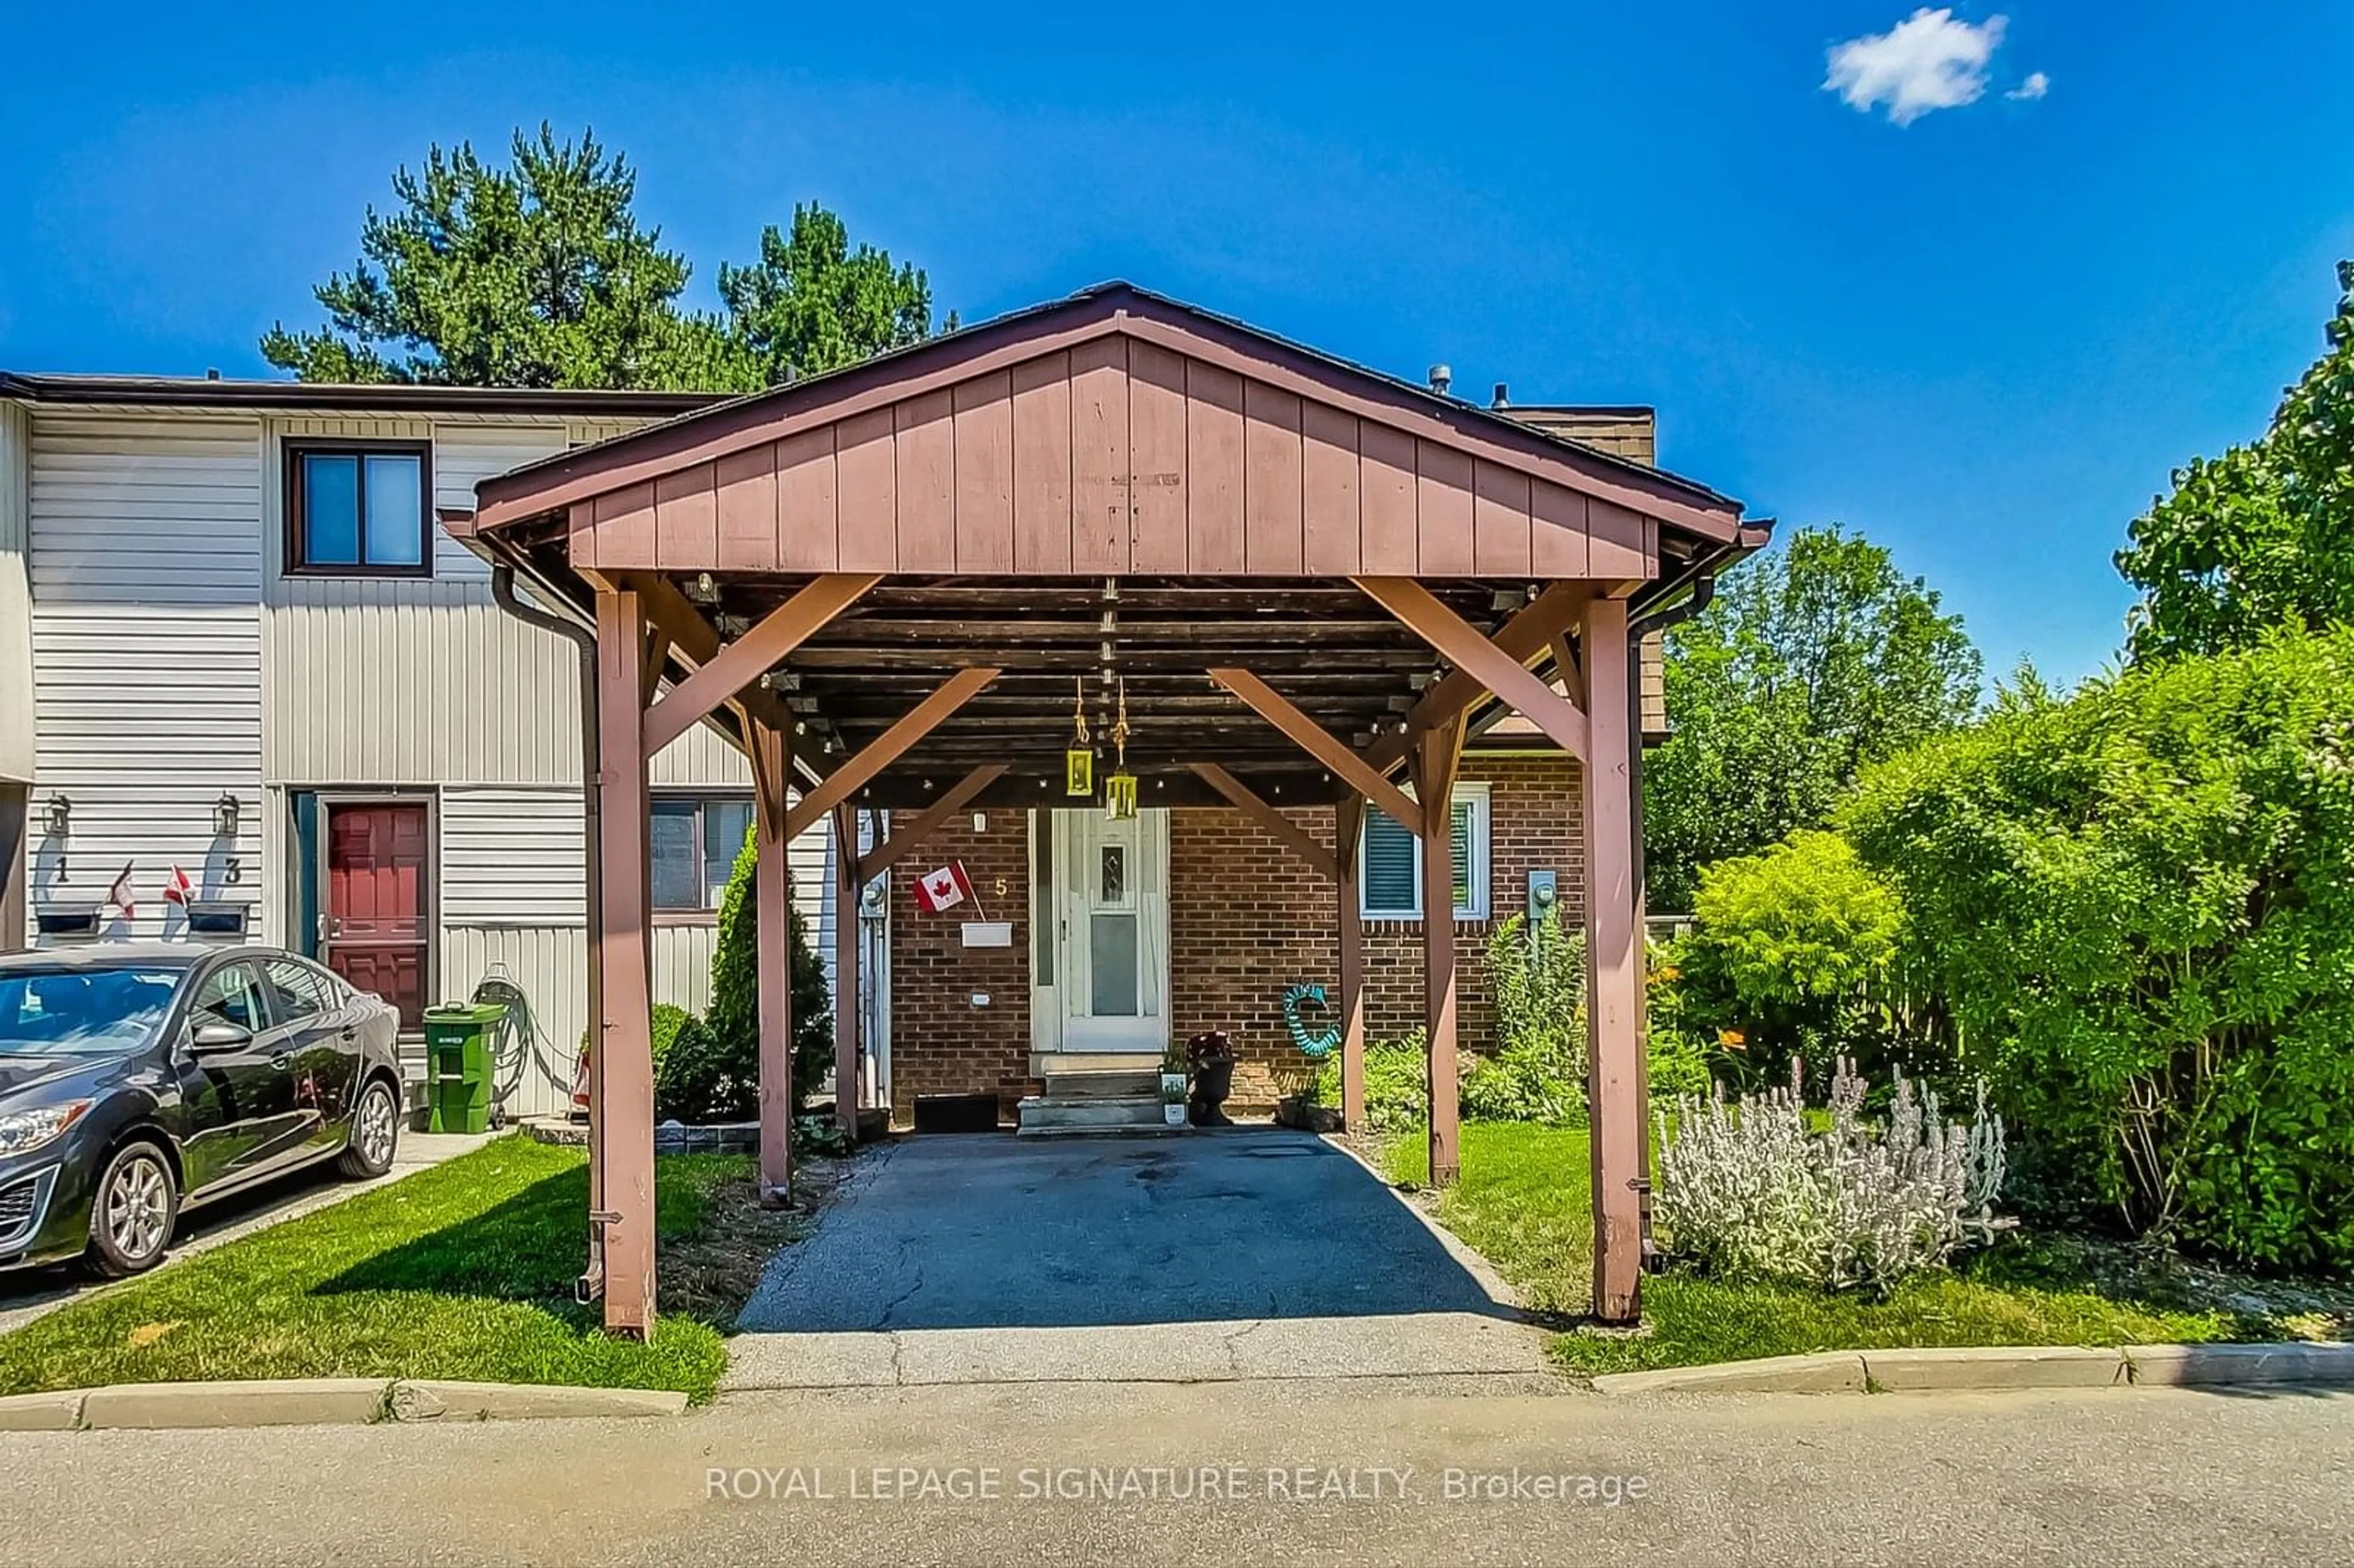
(1120, 790)
(1079, 761)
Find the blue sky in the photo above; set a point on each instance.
(1982, 336)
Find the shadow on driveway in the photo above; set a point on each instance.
(995, 1232)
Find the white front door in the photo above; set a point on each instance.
(1110, 892)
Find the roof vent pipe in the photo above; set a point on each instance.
(1441, 377)
(1500, 400)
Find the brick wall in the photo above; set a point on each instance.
(1247, 919)
(942, 1042)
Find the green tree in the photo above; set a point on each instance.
(2263, 535)
(539, 274)
(811, 304)
(734, 1016)
(1814, 660)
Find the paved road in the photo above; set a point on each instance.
(2117, 1477)
(31, 1293)
(996, 1231)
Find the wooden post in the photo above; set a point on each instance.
(1437, 751)
(772, 885)
(621, 1108)
(1348, 823)
(845, 969)
(1614, 970)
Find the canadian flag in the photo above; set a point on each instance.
(177, 888)
(120, 894)
(943, 889)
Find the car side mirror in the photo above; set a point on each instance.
(215, 1039)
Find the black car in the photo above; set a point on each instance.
(140, 1079)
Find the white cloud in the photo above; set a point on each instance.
(1929, 61)
(2037, 85)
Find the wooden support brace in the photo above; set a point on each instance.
(1323, 745)
(1524, 638)
(1435, 763)
(1469, 649)
(694, 639)
(887, 854)
(1613, 973)
(886, 749)
(1285, 831)
(746, 659)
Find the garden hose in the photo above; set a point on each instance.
(1316, 1045)
(516, 1041)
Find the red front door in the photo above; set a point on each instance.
(375, 935)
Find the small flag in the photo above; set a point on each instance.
(943, 889)
(120, 894)
(177, 888)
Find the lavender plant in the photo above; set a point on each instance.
(1752, 1192)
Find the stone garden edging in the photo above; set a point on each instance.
(306, 1402)
(1989, 1367)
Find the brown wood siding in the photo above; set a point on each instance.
(1116, 455)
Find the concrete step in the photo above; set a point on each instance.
(1135, 1113)
(1104, 1085)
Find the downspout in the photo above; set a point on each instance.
(592, 1284)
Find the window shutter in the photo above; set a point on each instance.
(1460, 837)
(1390, 867)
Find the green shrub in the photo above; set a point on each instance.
(1537, 1072)
(2139, 907)
(735, 1012)
(1793, 953)
(1395, 1070)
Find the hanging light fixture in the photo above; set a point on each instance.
(1120, 790)
(1079, 761)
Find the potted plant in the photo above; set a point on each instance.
(1212, 1057)
(1173, 1072)
(1172, 1099)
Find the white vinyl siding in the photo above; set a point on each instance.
(1390, 881)
(145, 569)
(15, 601)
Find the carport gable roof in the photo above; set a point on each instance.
(1049, 423)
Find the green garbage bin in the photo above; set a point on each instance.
(457, 1065)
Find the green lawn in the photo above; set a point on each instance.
(1523, 1203)
(463, 1270)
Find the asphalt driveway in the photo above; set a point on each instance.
(995, 1232)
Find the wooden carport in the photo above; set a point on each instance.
(886, 584)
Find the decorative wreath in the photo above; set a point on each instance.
(1316, 1042)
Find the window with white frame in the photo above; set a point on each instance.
(1390, 862)
(695, 840)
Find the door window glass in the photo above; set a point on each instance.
(1115, 874)
(1111, 950)
(232, 995)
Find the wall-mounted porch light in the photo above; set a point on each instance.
(225, 812)
(58, 817)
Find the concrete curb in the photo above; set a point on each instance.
(2313, 1365)
(312, 1402)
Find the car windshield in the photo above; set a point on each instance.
(82, 1013)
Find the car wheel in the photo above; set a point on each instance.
(132, 1211)
(374, 1132)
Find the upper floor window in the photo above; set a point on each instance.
(1390, 879)
(695, 845)
(360, 510)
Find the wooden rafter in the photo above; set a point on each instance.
(738, 666)
(887, 854)
(844, 782)
(1322, 745)
(1284, 829)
